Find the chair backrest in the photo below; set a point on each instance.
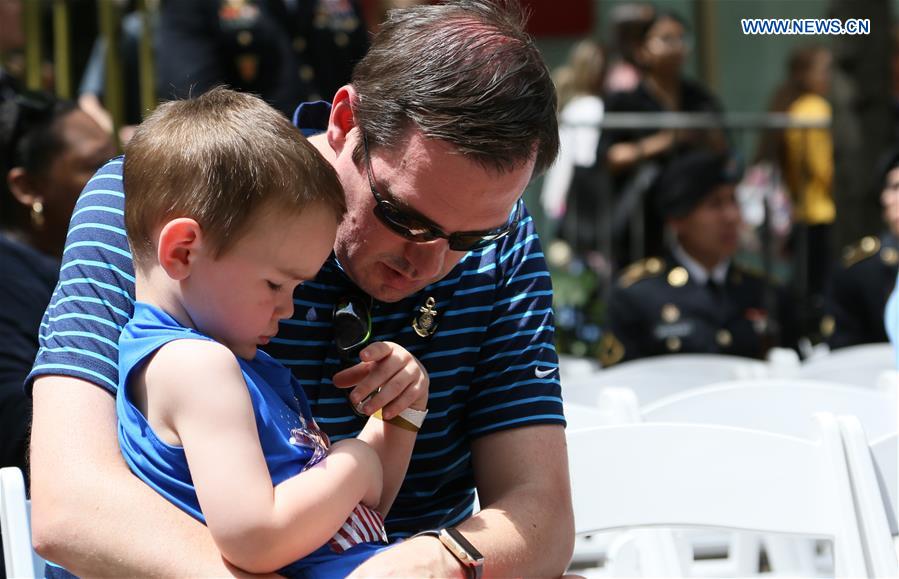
(574, 368)
(660, 376)
(885, 451)
(655, 474)
(859, 365)
(579, 416)
(15, 526)
(783, 406)
(870, 500)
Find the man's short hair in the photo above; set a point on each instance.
(464, 72)
(219, 159)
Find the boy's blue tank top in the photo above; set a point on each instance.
(278, 404)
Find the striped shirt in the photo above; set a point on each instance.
(491, 360)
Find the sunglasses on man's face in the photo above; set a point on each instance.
(417, 230)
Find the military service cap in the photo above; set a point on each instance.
(690, 177)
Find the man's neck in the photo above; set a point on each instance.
(699, 267)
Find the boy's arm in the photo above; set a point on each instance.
(205, 401)
(89, 513)
(403, 383)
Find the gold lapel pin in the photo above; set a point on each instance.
(425, 323)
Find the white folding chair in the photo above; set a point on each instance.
(776, 405)
(660, 376)
(870, 500)
(574, 368)
(860, 365)
(886, 462)
(15, 525)
(590, 550)
(782, 406)
(651, 474)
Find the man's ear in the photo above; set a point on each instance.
(22, 186)
(342, 119)
(180, 240)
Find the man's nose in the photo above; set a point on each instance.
(426, 259)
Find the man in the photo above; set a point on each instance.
(695, 299)
(860, 287)
(446, 120)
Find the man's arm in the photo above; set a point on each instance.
(526, 524)
(89, 513)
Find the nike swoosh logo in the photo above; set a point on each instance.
(543, 373)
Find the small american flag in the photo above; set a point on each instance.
(364, 525)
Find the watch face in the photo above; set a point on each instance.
(460, 539)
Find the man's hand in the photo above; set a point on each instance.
(424, 557)
(402, 380)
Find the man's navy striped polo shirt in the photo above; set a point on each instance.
(491, 360)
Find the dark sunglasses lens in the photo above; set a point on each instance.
(472, 242)
(401, 224)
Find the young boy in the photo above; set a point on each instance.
(228, 210)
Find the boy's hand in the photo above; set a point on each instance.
(402, 380)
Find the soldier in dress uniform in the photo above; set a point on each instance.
(863, 281)
(286, 51)
(695, 298)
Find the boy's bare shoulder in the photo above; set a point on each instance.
(191, 361)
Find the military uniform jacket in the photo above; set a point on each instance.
(285, 51)
(859, 290)
(656, 308)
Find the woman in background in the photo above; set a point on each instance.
(48, 151)
(635, 157)
(569, 191)
(805, 158)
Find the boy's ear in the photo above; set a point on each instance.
(179, 242)
(342, 119)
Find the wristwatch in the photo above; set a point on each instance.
(456, 543)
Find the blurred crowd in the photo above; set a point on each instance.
(679, 239)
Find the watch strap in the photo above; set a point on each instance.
(473, 563)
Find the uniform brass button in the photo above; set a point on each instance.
(670, 313)
(245, 38)
(678, 277)
(341, 39)
(299, 44)
(673, 343)
(828, 325)
(869, 243)
(889, 256)
(306, 73)
(724, 338)
(653, 265)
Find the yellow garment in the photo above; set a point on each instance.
(809, 160)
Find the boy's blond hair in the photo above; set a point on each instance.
(219, 159)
